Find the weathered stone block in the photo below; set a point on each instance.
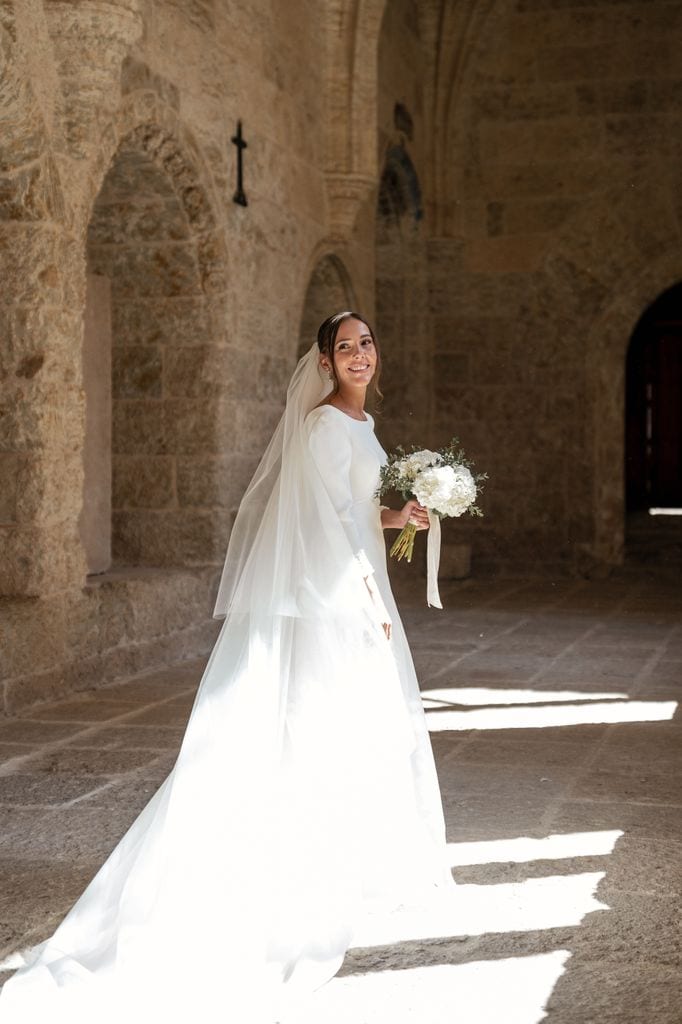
(142, 481)
(125, 221)
(137, 372)
(138, 428)
(10, 471)
(166, 602)
(201, 536)
(27, 195)
(205, 371)
(23, 562)
(114, 609)
(164, 269)
(32, 265)
(178, 321)
(31, 635)
(96, 618)
(213, 481)
(171, 538)
(39, 485)
(37, 686)
(255, 423)
(207, 426)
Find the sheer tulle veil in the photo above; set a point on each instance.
(239, 883)
(269, 507)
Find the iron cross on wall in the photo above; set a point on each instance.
(241, 144)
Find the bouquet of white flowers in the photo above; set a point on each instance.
(441, 481)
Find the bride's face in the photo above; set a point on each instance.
(355, 356)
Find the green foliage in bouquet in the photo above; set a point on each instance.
(441, 481)
(395, 475)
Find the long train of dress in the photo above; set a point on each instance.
(304, 791)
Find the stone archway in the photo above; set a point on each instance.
(607, 345)
(653, 413)
(329, 291)
(152, 236)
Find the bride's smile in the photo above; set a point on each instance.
(355, 355)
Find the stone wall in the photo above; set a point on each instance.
(116, 160)
(402, 305)
(497, 187)
(560, 222)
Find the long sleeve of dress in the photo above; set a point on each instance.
(331, 449)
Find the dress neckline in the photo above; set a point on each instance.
(328, 405)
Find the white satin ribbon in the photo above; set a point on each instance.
(433, 561)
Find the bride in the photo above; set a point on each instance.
(304, 794)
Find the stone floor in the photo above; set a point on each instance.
(555, 726)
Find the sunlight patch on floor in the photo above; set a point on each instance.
(549, 717)
(475, 695)
(509, 991)
(556, 901)
(523, 849)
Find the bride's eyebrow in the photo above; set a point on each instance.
(362, 337)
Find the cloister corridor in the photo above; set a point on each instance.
(553, 713)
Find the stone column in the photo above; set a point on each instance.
(40, 411)
(95, 519)
(91, 38)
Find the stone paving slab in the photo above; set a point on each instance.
(154, 737)
(587, 993)
(34, 733)
(74, 775)
(22, 790)
(171, 714)
(654, 821)
(639, 866)
(84, 711)
(74, 760)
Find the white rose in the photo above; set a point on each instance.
(449, 490)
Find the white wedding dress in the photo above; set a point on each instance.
(303, 795)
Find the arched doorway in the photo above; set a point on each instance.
(329, 291)
(653, 435)
(653, 462)
(157, 389)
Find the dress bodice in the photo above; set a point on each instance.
(349, 457)
(347, 447)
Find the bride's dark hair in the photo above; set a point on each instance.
(326, 339)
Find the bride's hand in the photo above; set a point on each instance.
(413, 512)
